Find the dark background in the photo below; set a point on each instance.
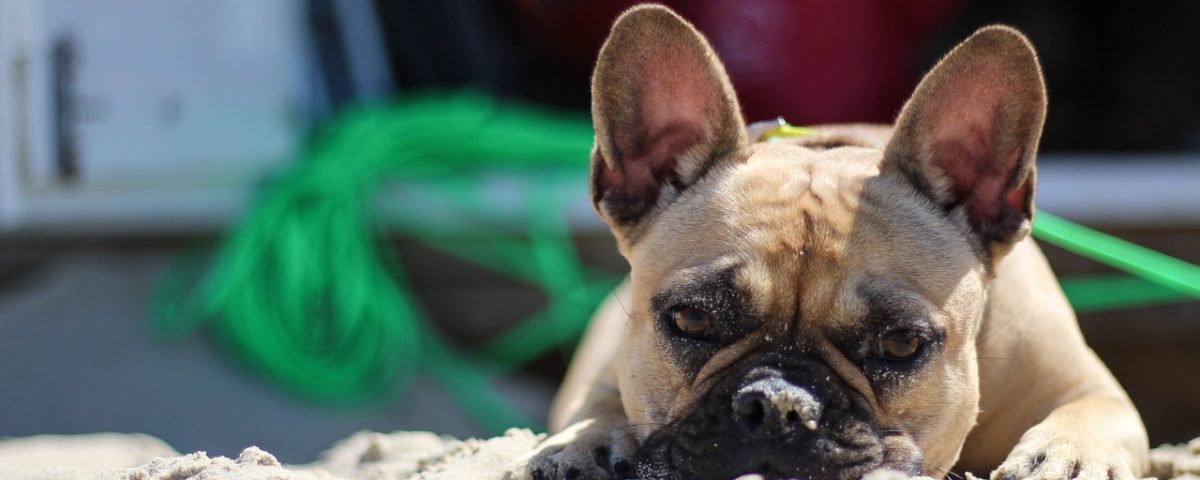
(1121, 77)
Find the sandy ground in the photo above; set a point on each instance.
(362, 456)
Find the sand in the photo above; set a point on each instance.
(362, 456)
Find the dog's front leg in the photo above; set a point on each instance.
(1098, 436)
(591, 436)
(1043, 390)
(599, 446)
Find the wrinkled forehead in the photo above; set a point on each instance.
(799, 228)
(783, 201)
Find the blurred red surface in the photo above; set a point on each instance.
(807, 60)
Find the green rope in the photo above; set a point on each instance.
(302, 293)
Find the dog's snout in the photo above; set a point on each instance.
(773, 406)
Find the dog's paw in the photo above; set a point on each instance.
(591, 449)
(1063, 457)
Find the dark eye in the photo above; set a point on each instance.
(691, 321)
(899, 345)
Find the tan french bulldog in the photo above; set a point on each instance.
(863, 297)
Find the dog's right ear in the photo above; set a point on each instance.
(664, 112)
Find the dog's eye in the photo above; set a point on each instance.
(691, 321)
(899, 345)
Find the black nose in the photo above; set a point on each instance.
(772, 407)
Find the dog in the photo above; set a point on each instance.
(860, 298)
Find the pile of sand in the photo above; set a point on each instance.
(362, 456)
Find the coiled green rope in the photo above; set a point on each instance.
(302, 292)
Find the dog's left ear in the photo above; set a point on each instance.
(968, 137)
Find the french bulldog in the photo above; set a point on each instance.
(860, 298)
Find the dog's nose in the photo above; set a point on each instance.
(772, 406)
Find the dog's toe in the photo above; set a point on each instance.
(1062, 459)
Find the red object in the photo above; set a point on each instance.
(807, 60)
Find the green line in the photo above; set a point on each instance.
(1139, 261)
(1095, 294)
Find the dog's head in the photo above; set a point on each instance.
(806, 310)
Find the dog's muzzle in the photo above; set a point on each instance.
(778, 417)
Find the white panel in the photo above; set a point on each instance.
(174, 100)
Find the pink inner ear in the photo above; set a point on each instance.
(675, 97)
(967, 138)
(652, 162)
(677, 91)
